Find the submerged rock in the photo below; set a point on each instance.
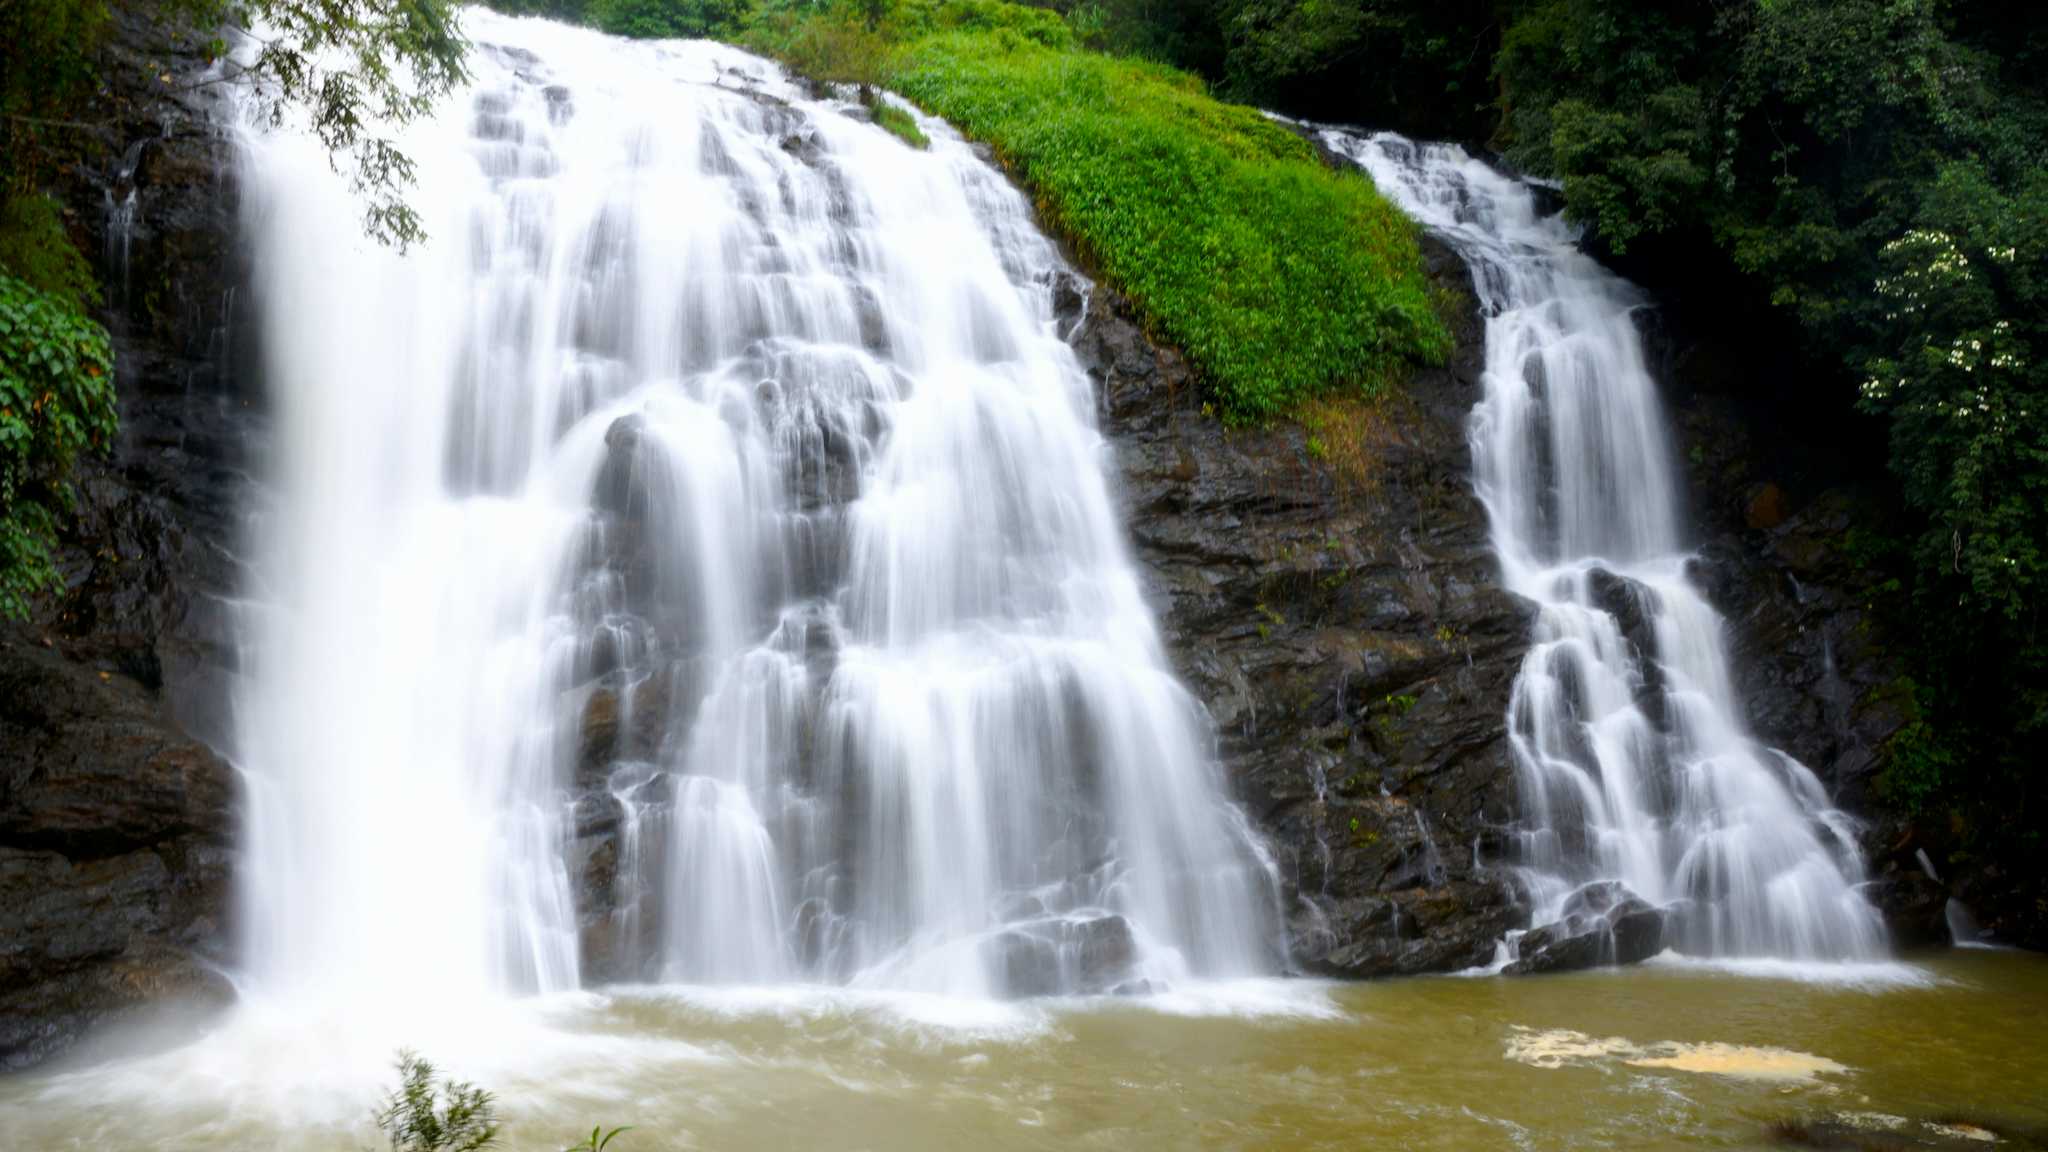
(1869, 1131)
(1064, 956)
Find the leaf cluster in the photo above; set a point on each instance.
(56, 400)
(428, 1113)
(356, 71)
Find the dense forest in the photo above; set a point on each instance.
(1864, 183)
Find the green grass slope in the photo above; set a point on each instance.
(1282, 280)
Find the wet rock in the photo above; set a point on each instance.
(1332, 596)
(1062, 956)
(561, 105)
(1631, 605)
(1407, 932)
(114, 851)
(1024, 964)
(115, 818)
(1103, 951)
(1603, 923)
(621, 721)
(1818, 677)
(1872, 1131)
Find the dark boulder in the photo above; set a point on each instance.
(1603, 923)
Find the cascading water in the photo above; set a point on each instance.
(715, 495)
(1635, 765)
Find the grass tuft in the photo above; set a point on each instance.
(901, 125)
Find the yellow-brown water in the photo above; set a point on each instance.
(1651, 1058)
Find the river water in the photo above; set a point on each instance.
(1658, 1057)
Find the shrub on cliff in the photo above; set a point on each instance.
(56, 400)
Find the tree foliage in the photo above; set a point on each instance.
(669, 19)
(354, 71)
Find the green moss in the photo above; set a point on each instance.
(35, 250)
(901, 125)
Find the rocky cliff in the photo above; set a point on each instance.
(115, 816)
(1328, 590)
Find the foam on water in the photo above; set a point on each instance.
(1869, 976)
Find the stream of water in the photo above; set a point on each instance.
(696, 564)
(1635, 763)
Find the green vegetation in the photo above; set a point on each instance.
(658, 19)
(428, 1112)
(1282, 280)
(599, 1140)
(56, 400)
(901, 125)
(355, 69)
(35, 249)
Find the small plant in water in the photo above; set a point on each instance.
(599, 1140)
(429, 1113)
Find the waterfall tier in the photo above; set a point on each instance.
(696, 564)
(1634, 762)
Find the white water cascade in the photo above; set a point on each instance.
(696, 564)
(1634, 761)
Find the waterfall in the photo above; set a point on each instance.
(696, 564)
(1634, 764)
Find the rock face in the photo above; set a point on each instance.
(1776, 557)
(1329, 591)
(114, 852)
(115, 824)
